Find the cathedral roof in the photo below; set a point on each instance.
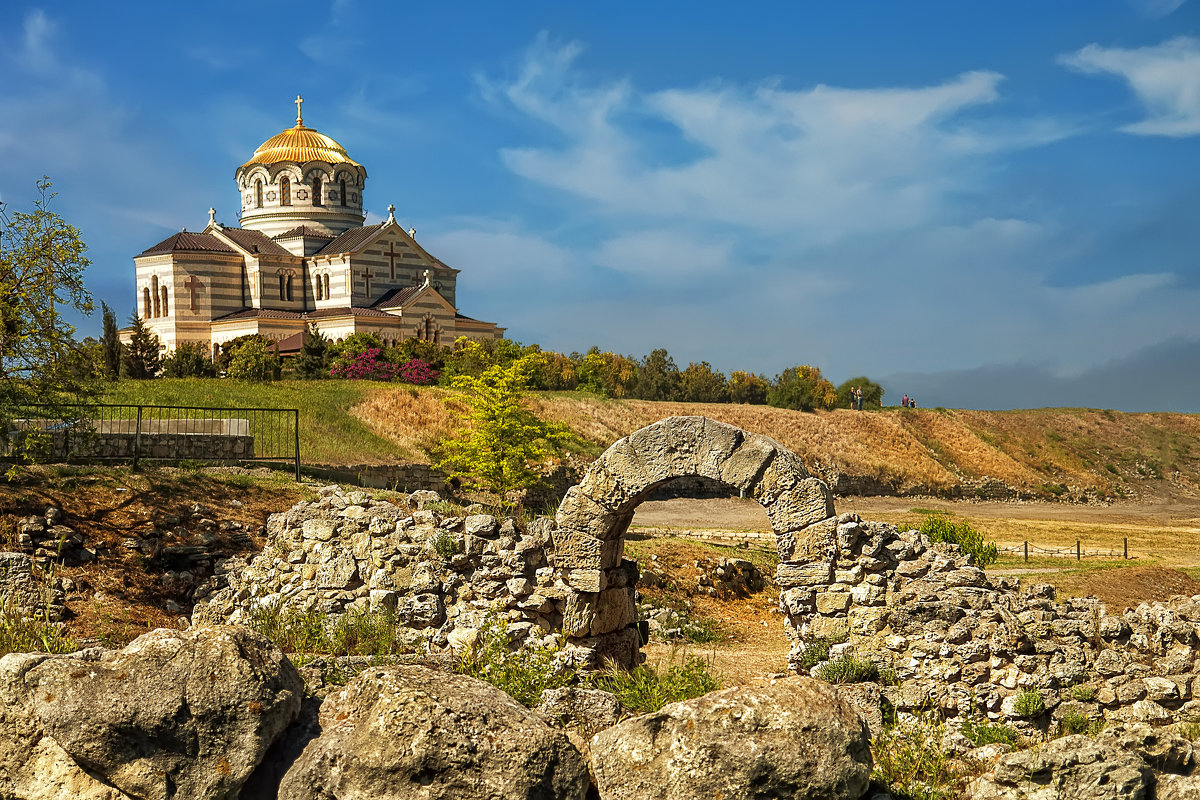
(185, 240)
(300, 145)
(349, 241)
(394, 298)
(304, 231)
(254, 241)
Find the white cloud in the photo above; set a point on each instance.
(1157, 8)
(1165, 78)
(824, 161)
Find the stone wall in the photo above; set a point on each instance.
(409, 477)
(202, 440)
(443, 576)
(962, 644)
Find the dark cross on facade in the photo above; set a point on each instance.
(391, 254)
(367, 280)
(191, 284)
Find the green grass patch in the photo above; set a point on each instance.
(522, 674)
(1074, 721)
(316, 633)
(848, 669)
(1029, 703)
(911, 763)
(968, 539)
(817, 650)
(329, 433)
(20, 634)
(981, 733)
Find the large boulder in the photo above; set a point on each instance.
(174, 714)
(420, 734)
(797, 738)
(1073, 766)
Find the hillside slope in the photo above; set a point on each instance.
(1067, 453)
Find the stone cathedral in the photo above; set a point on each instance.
(300, 255)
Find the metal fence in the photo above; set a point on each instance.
(136, 433)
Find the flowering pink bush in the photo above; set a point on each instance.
(417, 371)
(364, 366)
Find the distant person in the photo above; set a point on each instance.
(912, 402)
(858, 397)
(904, 400)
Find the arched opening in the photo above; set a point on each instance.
(317, 288)
(325, 280)
(145, 302)
(282, 287)
(285, 191)
(166, 311)
(318, 200)
(288, 285)
(600, 619)
(258, 194)
(154, 293)
(345, 198)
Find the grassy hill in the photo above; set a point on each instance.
(1067, 453)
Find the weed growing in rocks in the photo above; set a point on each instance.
(1075, 721)
(645, 689)
(848, 669)
(817, 650)
(1084, 694)
(312, 632)
(444, 546)
(21, 634)
(1029, 703)
(981, 733)
(522, 675)
(911, 763)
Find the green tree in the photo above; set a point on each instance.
(110, 342)
(254, 361)
(700, 383)
(872, 393)
(500, 447)
(42, 263)
(313, 359)
(745, 387)
(142, 359)
(607, 374)
(657, 377)
(230, 348)
(801, 388)
(190, 360)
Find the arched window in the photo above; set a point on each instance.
(154, 292)
(289, 287)
(166, 311)
(317, 288)
(282, 295)
(345, 197)
(145, 302)
(285, 191)
(317, 199)
(326, 281)
(258, 194)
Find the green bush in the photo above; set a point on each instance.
(1084, 694)
(1075, 721)
(848, 669)
(969, 540)
(254, 361)
(1029, 703)
(190, 360)
(645, 689)
(911, 763)
(444, 546)
(316, 633)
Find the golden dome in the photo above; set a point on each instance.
(299, 145)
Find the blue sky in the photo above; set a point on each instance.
(985, 204)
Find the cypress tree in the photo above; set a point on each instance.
(110, 343)
(142, 356)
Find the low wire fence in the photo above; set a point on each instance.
(135, 433)
(1076, 551)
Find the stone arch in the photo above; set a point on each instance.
(600, 619)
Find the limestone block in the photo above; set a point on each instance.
(322, 530)
(614, 610)
(746, 464)
(338, 572)
(621, 648)
(581, 513)
(667, 449)
(578, 614)
(797, 602)
(586, 580)
(484, 525)
(805, 502)
(574, 549)
(612, 553)
(832, 602)
(813, 573)
(604, 483)
(383, 600)
(810, 541)
(867, 621)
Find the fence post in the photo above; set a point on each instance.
(137, 440)
(1076, 549)
(1125, 542)
(296, 412)
(1027, 551)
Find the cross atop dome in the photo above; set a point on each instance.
(299, 119)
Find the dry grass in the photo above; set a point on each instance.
(415, 420)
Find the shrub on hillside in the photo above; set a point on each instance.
(190, 360)
(254, 361)
(417, 371)
(802, 388)
(368, 365)
(969, 540)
